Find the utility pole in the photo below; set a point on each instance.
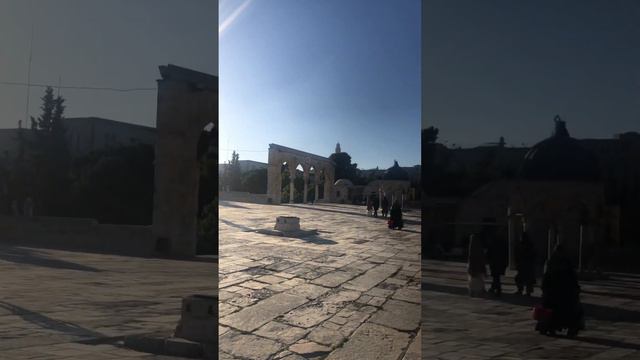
(26, 109)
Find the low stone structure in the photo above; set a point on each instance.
(199, 320)
(287, 223)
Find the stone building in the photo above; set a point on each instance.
(84, 135)
(564, 191)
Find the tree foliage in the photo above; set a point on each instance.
(344, 169)
(232, 175)
(116, 185)
(255, 181)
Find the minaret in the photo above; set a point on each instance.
(338, 148)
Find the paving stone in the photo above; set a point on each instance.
(254, 285)
(371, 278)
(226, 309)
(408, 295)
(307, 316)
(309, 349)
(309, 291)
(333, 279)
(399, 315)
(283, 333)
(253, 317)
(372, 342)
(415, 349)
(271, 279)
(248, 346)
(326, 336)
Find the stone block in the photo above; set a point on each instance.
(199, 319)
(287, 223)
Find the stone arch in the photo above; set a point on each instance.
(187, 102)
(279, 154)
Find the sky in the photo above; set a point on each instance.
(307, 74)
(506, 68)
(98, 43)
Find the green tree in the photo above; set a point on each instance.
(255, 181)
(50, 157)
(344, 169)
(232, 175)
(430, 135)
(116, 185)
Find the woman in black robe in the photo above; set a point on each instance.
(561, 294)
(395, 216)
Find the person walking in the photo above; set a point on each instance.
(385, 207)
(497, 257)
(561, 295)
(476, 267)
(525, 265)
(395, 216)
(376, 206)
(369, 206)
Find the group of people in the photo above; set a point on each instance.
(560, 286)
(484, 248)
(394, 212)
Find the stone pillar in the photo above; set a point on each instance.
(328, 184)
(274, 177)
(305, 178)
(315, 183)
(182, 112)
(292, 177)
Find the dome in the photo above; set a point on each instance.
(395, 173)
(560, 157)
(344, 182)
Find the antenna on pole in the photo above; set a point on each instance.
(26, 109)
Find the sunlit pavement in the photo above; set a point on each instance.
(456, 326)
(349, 292)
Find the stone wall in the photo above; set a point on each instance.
(77, 234)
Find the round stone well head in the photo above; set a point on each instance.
(287, 223)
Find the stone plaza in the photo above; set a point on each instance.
(346, 287)
(74, 305)
(456, 326)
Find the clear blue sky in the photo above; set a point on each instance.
(307, 74)
(506, 68)
(104, 43)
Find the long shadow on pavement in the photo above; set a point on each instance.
(47, 322)
(306, 236)
(598, 312)
(24, 256)
(608, 342)
(228, 204)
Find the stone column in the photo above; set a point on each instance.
(274, 177)
(328, 184)
(181, 115)
(315, 183)
(292, 177)
(305, 178)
